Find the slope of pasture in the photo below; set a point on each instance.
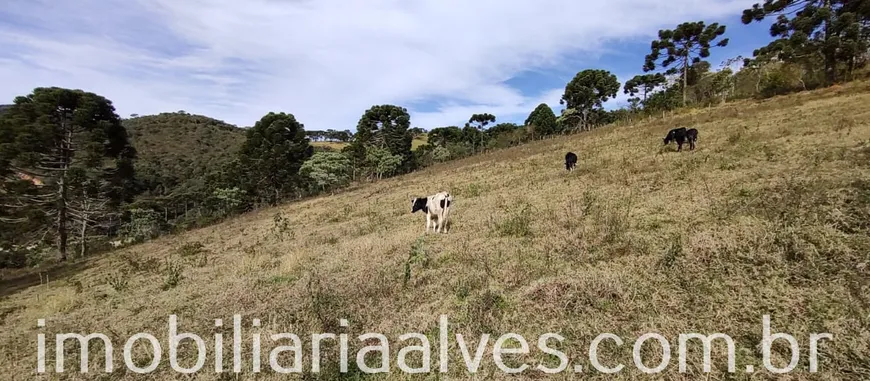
(770, 215)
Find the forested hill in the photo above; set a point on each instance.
(177, 150)
(4, 107)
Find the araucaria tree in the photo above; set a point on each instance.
(480, 121)
(543, 120)
(70, 148)
(830, 29)
(270, 157)
(385, 127)
(588, 91)
(643, 85)
(684, 46)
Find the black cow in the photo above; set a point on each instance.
(692, 137)
(570, 161)
(678, 135)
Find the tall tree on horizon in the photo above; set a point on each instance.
(543, 119)
(683, 46)
(480, 121)
(384, 127)
(587, 92)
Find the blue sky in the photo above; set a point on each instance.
(327, 61)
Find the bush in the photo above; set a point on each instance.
(144, 224)
(327, 171)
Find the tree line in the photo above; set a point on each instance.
(69, 183)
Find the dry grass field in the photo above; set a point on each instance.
(769, 215)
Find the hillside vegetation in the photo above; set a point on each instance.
(769, 215)
(337, 146)
(178, 150)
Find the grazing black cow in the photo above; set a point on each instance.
(570, 161)
(678, 135)
(692, 136)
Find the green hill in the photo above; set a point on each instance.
(177, 150)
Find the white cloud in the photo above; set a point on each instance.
(325, 61)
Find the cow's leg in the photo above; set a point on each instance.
(428, 221)
(443, 220)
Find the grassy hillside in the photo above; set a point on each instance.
(182, 147)
(768, 216)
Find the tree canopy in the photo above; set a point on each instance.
(643, 85)
(271, 156)
(71, 145)
(385, 127)
(327, 170)
(835, 30)
(480, 121)
(442, 136)
(588, 90)
(543, 119)
(688, 43)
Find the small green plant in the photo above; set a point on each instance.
(190, 249)
(201, 260)
(194, 253)
(417, 255)
(614, 225)
(173, 275)
(149, 264)
(118, 280)
(279, 279)
(281, 227)
(673, 253)
(473, 190)
(769, 153)
(76, 285)
(735, 137)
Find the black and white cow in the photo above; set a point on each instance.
(437, 207)
(570, 161)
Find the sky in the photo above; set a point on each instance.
(327, 61)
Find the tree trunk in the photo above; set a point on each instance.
(62, 217)
(830, 64)
(685, 78)
(84, 243)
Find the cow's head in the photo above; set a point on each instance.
(418, 203)
(669, 137)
